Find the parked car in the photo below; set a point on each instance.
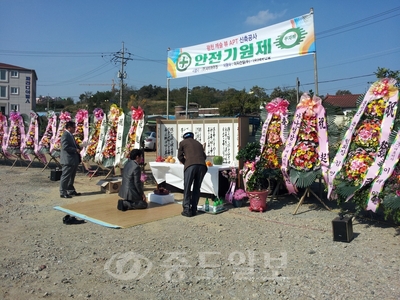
(150, 141)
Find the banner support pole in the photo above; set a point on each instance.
(187, 96)
(167, 98)
(316, 75)
(315, 62)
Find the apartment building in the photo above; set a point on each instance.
(17, 89)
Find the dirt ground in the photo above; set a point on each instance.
(237, 254)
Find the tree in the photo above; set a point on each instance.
(239, 103)
(90, 101)
(387, 73)
(343, 92)
(285, 93)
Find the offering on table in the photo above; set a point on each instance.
(218, 160)
(161, 191)
(170, 159)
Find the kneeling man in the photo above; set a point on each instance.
(131, 191)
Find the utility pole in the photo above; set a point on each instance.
(120, 57)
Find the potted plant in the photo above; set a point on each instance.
(256, 176)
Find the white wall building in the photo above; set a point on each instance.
(17, 89)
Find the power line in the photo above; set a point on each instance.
(357, 27)
(116, 57)
(360, 21)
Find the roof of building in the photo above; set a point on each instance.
(12, 67)
(343, 101)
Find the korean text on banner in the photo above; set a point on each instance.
(284, 40)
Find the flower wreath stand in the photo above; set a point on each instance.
(306, 153)
(3, 137)
(110, 139)
(279, 184)
(273, 138)
(15, 139)
(307, 194)
(31, 143)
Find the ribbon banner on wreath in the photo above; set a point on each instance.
(102, 135)
(89, 152)
(120, 139)
(306, 152)
(16, 135)
(48, 136)
(135, 132)
(55, 147)
(232, 176)
(387, 170)
(366, 142)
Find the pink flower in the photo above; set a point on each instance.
(137, 113)
(143, 177)
(239, 194)
(98, 113)
(277, 106)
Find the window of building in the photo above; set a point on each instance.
(14, 74)
(14, 91)
(3, 92)
(14, 107)
(3, 75)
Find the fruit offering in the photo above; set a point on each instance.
(169, 159)
(209, 163)
(218, 160)
(159, 159)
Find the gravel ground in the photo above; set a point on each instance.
(237, 254)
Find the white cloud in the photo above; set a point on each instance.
(263, 17)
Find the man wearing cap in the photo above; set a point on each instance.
(191, 155)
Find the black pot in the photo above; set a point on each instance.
(237, 203)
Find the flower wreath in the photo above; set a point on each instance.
(272, 139)
(365, 143)
(3, 130)
(273, 132)
(89, 152)
(82, 125)
(31, 138)
(135, 131)
(16, 135)
(48, 136)
(55, 148)
(306, 154)
(109, 148)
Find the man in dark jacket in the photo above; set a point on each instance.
(191, 154)
(70, 158)
(131, 191)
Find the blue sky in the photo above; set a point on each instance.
(69, 43)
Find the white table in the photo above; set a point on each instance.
(173, 175)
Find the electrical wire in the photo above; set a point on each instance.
(320, 35)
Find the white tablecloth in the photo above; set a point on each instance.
(173, 175)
